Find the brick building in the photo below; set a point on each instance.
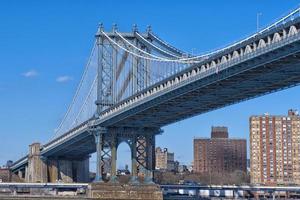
(219, 154)
(164, 160)
(275, 149)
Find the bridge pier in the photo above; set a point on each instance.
(68, 170)
(37, 168)
(142, 144)
(42, 170)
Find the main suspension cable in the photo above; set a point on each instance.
(148, 58)
(156, 47)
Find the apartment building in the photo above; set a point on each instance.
(275, 149)
(219, 154)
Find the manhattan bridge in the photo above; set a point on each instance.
(135, 83)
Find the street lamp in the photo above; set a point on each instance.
(257, 20)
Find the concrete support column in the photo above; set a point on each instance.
(98, 140)
(134, 175)
(113, 177)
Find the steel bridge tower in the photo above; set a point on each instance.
(141, 140)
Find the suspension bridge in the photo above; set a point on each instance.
(135, 83)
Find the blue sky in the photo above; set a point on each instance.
(44, 46)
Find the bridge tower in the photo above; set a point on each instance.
(111, 88)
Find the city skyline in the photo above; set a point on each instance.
(29, 75)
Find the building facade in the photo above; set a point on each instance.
(164, 160)
(219, 154)
(275, 149)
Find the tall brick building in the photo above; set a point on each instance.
(219, 154)
(275, 149)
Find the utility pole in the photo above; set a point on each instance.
(257, 20)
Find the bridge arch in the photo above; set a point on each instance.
(124, 156)
(203, 68)
(235, 54)
(213, 64)
(276, 37)
(224, 59)
(248, 49)
(292, 31)
(261, 43)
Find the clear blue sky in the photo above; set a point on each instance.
(44, 46)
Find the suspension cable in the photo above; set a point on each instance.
(166, 44)
(137, 55)
(180, 59)
(78, 89)
(85, 100)
(154, 46)
(144, 52)
(157, 57)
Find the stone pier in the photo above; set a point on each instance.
(37, 168)
(66, 170)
